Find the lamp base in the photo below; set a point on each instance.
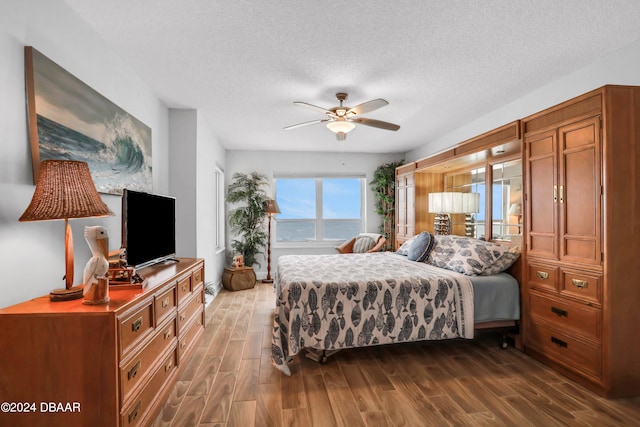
(267, 280)
(66, 294)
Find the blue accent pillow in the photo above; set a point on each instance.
(421, 247)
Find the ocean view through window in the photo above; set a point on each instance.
(317, 209)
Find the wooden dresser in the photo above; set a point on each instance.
(582, 161)
(66, 363)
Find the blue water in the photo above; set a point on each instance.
(305, 231)
(120, 162)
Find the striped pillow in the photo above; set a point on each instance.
(363, 244)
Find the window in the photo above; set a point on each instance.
(319, 209)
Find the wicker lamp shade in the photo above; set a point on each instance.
(64, 190)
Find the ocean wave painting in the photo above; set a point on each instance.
(75, 122)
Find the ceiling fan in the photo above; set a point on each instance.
(342, 120)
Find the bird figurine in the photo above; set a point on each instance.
(97, 238)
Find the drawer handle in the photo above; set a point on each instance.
(555, 193)
(133, 371)
(182, 317)
(136, 325)
(168, 366)
(559, 312)
(168, 334)
(165, 303)
(559, 343)
(183, 344)
(134, 414)
(542, 275)
(184, 287)
(581, 284)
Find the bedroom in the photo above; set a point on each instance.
(55, 29)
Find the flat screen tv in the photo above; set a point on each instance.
(148, 228)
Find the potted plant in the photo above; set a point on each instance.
(247, 220)
(384, 186)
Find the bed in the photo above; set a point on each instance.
(331, 302)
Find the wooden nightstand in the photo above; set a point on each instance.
(238, 279)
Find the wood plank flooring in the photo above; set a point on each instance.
(229, 381)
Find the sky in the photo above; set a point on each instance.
(296, 198)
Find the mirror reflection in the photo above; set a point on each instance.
(499, 214)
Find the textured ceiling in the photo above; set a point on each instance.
(440, 64)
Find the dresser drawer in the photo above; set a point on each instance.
(191, 334)
(134, 413)
(165, 304)
(585, 286)
(566, 316)
(184, 288)
(135, 325)
(542, 276)
(574, 354)
(190, 308)
(197, 277)
(133, 371)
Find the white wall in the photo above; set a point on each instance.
(621, 67)
(183, 138)
(270, 163)
(32, 254)
(194, 154)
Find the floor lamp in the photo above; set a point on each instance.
(271, 208)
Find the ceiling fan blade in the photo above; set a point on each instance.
(299, 125)
(376, 123)
(313, 107)
(368, 106)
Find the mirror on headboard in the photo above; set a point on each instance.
(506, 212)
(471, 181)
(500, 189)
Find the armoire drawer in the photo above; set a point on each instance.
(135, 412)
(569, 317)
(135, 325)
(586, 286)
(542, 276)
(576, 355)
(133, 371)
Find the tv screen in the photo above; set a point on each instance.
(148, 228)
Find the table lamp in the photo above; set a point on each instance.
(271, 208)
(65, 190)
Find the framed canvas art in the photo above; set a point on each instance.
(69, 120)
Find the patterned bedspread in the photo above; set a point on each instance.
(330, 302)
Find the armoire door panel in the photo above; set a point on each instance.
(579, 194)
(542, 194)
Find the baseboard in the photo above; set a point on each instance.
(211, 291)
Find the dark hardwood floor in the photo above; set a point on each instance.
(229, 381)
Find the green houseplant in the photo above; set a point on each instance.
(247, 219)
(384, 186)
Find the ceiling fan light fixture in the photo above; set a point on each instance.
(340, 126)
